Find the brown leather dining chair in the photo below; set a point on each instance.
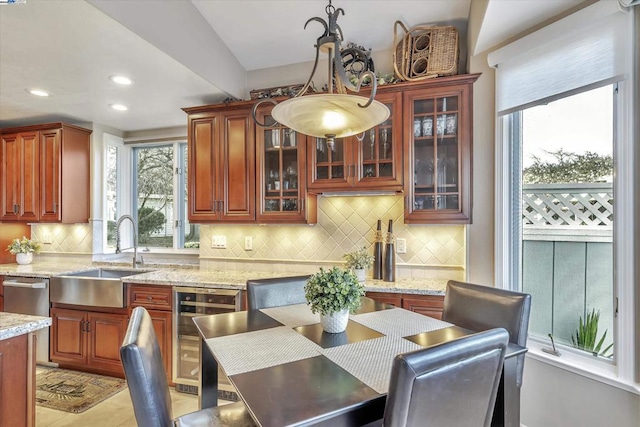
(450, 384)
(148, 387)
(479, 308)
(275, 292)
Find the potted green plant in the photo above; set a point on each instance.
(333, 293)
(23, 249)
(586, 336)
(359, 261)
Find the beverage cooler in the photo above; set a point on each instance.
(190, 303)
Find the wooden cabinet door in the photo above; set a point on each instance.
(378, 153)
(19, 180)
(10, 177)
(1, 303)
(68, 341)
(386, 297)
(437, 153)
(50, 176)
(329, 169)
(428, 305)
(106, 332)
(202, 177)
(281, 195)
(237, 167)
(162, 325)
(30, 176)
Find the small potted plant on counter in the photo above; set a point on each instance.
(359, 261)
(23, 249)
(333, 293)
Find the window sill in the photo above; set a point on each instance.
(600, 370)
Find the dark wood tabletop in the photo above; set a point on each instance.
(291, 373)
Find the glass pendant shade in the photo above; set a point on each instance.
(330, 114)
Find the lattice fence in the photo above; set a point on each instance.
(583, 205)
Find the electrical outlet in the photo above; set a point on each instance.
(248, 243)
(47, 239)
(401, 246)
(219, 242)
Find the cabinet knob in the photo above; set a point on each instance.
(149, 298)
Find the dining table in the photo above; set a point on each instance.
(289, 372)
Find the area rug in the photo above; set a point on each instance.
(73, 391)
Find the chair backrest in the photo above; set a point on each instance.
(479, 308)
(451, 384)
(265, 293)
(144, 370)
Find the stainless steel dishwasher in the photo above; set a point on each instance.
(26, 295)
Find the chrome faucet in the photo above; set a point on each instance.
(136, 261)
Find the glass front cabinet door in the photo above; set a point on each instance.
(281, 171)
(371, 160)
(438, 155)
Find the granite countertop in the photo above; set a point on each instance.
(13, 325)
(196, 277)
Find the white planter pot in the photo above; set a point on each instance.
(335, 323)
(360, 273)
(24, 258)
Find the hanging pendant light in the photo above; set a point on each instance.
(331, 115)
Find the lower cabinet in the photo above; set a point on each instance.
(17, 381)
(87, 340)
(157, 301)
(428, 305)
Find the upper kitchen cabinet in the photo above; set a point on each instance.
(221, 166)
(437, 152)
(368, 161)
(45, 173)
(281, 171)
(19, 180)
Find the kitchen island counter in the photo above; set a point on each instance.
(18, 367)
(13, 325)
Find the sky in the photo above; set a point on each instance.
(579, 123)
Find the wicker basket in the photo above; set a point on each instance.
(424, 52)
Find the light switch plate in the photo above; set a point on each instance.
(219, 242)
(401, 246)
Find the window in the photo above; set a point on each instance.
(160, 197)
(569, 86)
(148, 182)
(565, 181)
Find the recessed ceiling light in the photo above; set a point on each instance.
(38, 92)
(119, 107)
(121, 80)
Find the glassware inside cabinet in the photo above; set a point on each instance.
(280, 168)
(436, 171)
(330, 163)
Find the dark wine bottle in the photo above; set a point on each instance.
(377, 252)
(389, 265)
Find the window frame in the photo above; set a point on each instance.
(508, 233)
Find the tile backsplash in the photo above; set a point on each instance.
(64, 238)
(344, 224)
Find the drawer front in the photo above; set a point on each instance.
(153, 297)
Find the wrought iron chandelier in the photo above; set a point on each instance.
(331, 115)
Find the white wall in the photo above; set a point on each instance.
(550, 396)
(554, 397)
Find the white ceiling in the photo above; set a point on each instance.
(183, 53)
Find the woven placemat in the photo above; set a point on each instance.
(399, 322)
(370, 361)
(74, 391)
(261, 349)
(293, 315)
